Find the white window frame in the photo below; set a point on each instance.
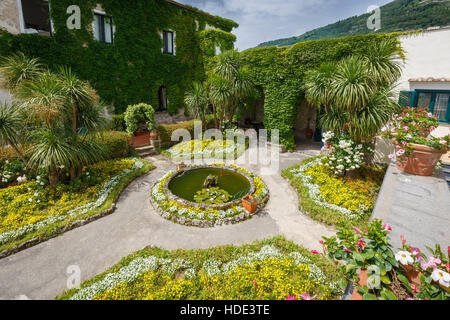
(161, 33)
(113, 29)
(22, 19)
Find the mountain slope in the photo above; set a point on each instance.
(399, 15)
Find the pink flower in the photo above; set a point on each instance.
(348, 250)
(432, 263)
(404, 143)
(291, 298)
(387, 227)
(447, 266)
(391, 156)
(414, 288)
(358, 231)
(400, 152)
(414, 251)
(361, 244)
(321, 242)
(315, 252)
(306, 296)
(403, 239)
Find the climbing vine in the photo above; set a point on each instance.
(133, 68)
(280, 72)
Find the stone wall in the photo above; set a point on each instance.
(9, 16)
(166, 118)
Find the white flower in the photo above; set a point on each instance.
(30, 200)
(38, 177)
(404, 257)
(442, 277)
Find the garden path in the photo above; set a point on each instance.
(41, 272)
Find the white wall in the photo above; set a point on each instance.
(427, 55)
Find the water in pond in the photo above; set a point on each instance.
(188, 183)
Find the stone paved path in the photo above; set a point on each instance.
(41, 271)
(416, 207)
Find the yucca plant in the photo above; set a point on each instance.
(11, 123)
(17, 68)
(197, 100)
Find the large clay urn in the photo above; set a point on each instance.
(422, 161)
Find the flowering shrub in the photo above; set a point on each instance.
(268, 274)
(413, 126)
(346, 154)
(31, 206)
(12, 171)
(352, 198)
(369, 249)
(174, 208)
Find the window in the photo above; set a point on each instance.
(162, 93)
(437, 101)
(168, 41)
(36, 17)
(103, 28)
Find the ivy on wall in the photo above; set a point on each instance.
(280, 72)
(133, 68)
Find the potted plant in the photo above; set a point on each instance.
(154, 135)
(416, 153)
(250, 204)
(180, 166)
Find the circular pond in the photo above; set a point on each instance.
(187, 184)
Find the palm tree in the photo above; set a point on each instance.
(358, 92)
(230, 83)
(197, 101)
(17, 68)
(11, 123)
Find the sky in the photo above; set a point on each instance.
(265, 20)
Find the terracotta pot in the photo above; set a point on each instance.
(154, 135)
(362, 282)
(250, 204)
(413, 275)
(422, 161)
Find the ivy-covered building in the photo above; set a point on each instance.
(131, 51)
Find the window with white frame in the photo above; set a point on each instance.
(168, 42)
(103, 28)
(35, 16)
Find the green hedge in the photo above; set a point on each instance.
(116, 143)
(118, 122)
(166, 130)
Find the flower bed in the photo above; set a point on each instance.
(330, 198)
(206, 149)
(203, 215)
(272, 269)
(30, 210)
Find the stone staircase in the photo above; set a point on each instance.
(146, 150)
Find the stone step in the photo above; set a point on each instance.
(144, 148)
(147, 153)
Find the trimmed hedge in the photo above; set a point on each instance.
(118, 122)
(166, 130)
(116, 143)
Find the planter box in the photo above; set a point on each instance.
(250, 204)
(422, 161)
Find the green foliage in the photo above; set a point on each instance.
(281, 73)
(116, 143)
(118, 122)
(213, 195)
(166, 130)
(139, 114)
(399, 15)
(132, 69)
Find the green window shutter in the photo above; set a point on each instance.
(406, 98)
